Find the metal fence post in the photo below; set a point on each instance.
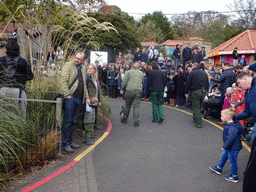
(58, 118)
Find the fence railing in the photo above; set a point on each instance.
(34, 141)
(58, 103)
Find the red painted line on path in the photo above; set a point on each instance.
(55, 174)
(58, 172)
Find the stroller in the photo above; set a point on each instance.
(247, 133)
(212, 102)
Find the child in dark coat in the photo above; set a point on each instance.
(89, 120)
(232, 145)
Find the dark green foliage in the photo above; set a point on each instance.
(161, 22)
(122, 41)
(231, 32)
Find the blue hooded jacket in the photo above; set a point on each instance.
(232, 136)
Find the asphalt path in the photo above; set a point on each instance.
(172, 156)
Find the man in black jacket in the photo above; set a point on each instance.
(186, 54)
(176, 54)
(14, 73)
(195, 56)
(226, 80)
(197, 83)
(202, 54)
(235, 56)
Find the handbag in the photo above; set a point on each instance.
(60, 95)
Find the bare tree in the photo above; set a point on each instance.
(245, 12)
(185, 24)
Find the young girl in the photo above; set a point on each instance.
(89, 120)
(228, 93)
(238, 101)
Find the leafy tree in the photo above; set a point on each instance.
(126, 38)
(162, 49)
(161, 22)
(230, 32)
(117, 10)
(149, 32)
(9, 9)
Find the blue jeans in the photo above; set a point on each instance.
(253, 134)
(230, 155)
(144, 94)
(72, 108)
(177, 61)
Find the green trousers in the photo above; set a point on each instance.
(132, 97)
(88, 128)
(157, 105)
(197, 98)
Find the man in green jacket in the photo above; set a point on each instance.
(73, 87)
(132, 83)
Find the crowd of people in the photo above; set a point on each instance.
(161, 81)
(165, 83)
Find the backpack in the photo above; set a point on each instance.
(9, 70)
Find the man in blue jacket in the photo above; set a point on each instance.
(248, 83)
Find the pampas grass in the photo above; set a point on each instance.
(21, 145)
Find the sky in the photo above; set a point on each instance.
(170, 6)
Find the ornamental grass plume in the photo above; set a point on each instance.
(26, 141)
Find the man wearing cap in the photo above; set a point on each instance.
(132, 84)
(197, 83)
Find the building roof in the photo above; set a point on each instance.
(181, 42)
(186, 42)
(147, 43)
(173, 42)
(207, 43)
(6, 29)
(32, 30)
(245, 42)
(195, 38)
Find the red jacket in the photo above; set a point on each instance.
(238, 97)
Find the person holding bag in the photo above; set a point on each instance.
(75, 95)
(93, 88)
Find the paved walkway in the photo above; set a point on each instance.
(173, 156)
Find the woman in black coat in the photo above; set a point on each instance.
(180, 80)
(156, 85)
